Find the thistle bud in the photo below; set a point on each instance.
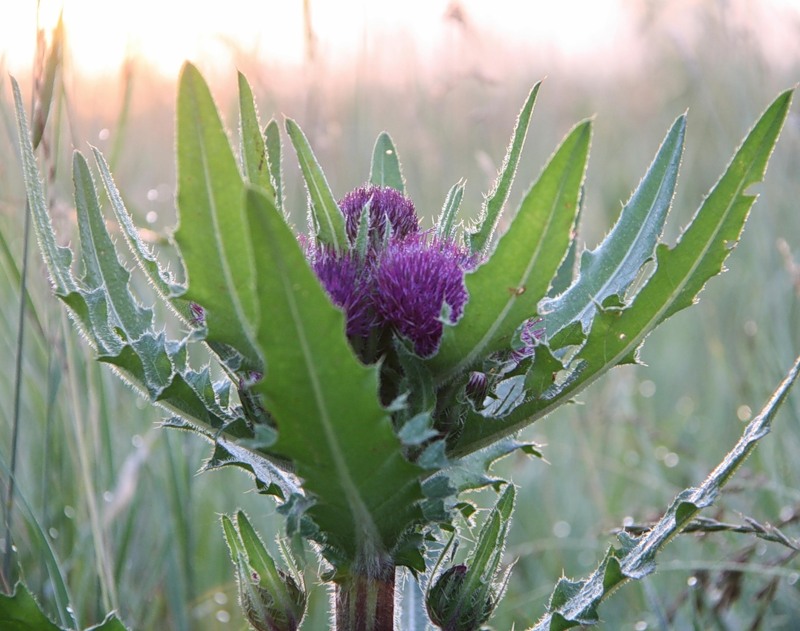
(268, 611)
(271, 599)
(451, 609)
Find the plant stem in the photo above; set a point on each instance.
(9, 500)
(366, 603)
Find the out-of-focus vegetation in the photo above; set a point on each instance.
(115, 501)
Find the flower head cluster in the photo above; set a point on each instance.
(404, 280)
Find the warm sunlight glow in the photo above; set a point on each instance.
(102, 34)
(163, 33)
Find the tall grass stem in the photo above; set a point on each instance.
(9, 502)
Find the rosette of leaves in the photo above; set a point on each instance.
(373, 370)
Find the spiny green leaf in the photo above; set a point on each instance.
(111, 623)
(57, 258)
(327, 216)
(253, 147)
(385, 170)
(446, 226)
(681, 272)
(235, 545)
(567, 271)
(102, 266)
(479, 240)
(271, 479)
(21, 612)
(577, 604)
(473, 471)
(213, 234)
(325, 401)
(272, 140)
(543, 372)
(505, 290)
(163, 282)
(612, 267)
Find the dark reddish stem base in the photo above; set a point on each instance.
(366, 603)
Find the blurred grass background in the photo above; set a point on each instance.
(116, 502)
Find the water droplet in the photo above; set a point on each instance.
(137, 441)
(223, 616)
(152, 195)
(221, 598)
(647, 388)
(744, 413)
(151, 217)
(640, 626)
(671, 460)
(108, 496)
(389, 152)
(69, 512)
(561, 529)
(692, 581)
(103, 134)
(53, 532)
(627, 521)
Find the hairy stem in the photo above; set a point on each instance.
(366, 603)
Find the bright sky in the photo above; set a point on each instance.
(164, 33)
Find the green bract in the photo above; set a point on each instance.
(367, 460)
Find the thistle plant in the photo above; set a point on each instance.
(368, 371)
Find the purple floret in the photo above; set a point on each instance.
(346, 279)
(384, 204)
(414, 279)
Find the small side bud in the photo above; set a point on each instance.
(266, 610)
(464, 596)
(451, 609)
(272, 599)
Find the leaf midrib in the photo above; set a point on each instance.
(360, 513)
(226, 270)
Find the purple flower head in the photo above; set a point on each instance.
(346, 279)
(414, 279)
(385, 204)
(404, 282)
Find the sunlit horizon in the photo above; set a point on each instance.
(102, 36)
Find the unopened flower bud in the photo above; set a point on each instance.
(453, 610)
(268, 611)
